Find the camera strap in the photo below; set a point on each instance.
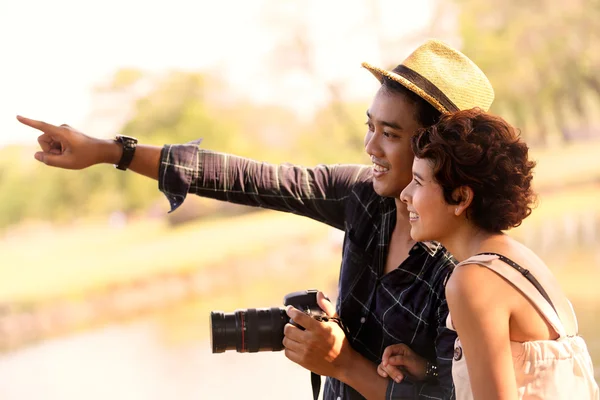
(315, 382)
(315, 379)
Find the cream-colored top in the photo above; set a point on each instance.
(545, 369)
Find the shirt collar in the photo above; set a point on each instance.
(431, 247)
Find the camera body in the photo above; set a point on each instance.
(259, 329)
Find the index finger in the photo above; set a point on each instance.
(301, 318)
(394, 372)
(39, 125)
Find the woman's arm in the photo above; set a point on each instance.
(480, 310)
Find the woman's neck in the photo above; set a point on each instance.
(466, 240)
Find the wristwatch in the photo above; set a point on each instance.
(431, 371)
(129, 144)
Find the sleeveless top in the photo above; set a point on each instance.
(544, 369)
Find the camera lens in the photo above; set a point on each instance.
(248, 330)
(222, 332)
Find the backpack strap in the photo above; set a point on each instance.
(526, 274)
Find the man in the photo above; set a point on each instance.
(391, 289)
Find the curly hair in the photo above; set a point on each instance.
(482, 151)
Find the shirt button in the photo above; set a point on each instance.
(339, 398)
(362, 321)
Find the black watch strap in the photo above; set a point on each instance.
(129, 144)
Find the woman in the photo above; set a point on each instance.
(517, 332)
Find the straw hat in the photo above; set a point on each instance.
(443, 76)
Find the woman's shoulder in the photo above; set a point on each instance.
(475, 283)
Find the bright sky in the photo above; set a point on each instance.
(54, 52)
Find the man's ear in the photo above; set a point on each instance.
(464, 196)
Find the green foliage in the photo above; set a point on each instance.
(541, 57)
(339, 126)
(178, 110)
(180, 107)
(126, 77)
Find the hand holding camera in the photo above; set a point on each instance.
(260, 329)
(321, 346)
(308, 329)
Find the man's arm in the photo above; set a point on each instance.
(146, 160)
(319, 193)
(362, 376)
(322, 347)
(67, 148)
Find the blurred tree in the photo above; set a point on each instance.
(540, 57)
(336, 121)
(335, 135)
(12, 191)
(179, 109)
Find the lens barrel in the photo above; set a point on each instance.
(248, 330)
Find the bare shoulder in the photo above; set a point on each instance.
(475, 286)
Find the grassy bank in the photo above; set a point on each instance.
(78, 259)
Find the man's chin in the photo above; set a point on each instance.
(385, 191)
(418, 236)
(415, 236)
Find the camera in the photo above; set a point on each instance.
(259, 329)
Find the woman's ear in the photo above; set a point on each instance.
(464, 196)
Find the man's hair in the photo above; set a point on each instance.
(426, 114)
(476, 149)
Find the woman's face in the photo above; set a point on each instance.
(431, 218)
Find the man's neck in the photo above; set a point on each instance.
(402, 228)
(400, 241)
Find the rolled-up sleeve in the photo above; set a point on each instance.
(318, 193)
(179, 167)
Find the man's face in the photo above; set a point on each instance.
(391, 123)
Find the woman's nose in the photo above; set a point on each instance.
(405, 195)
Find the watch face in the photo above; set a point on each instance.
(128, 142)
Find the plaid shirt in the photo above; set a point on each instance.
(407, 305)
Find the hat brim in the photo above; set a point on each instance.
(379, 73)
